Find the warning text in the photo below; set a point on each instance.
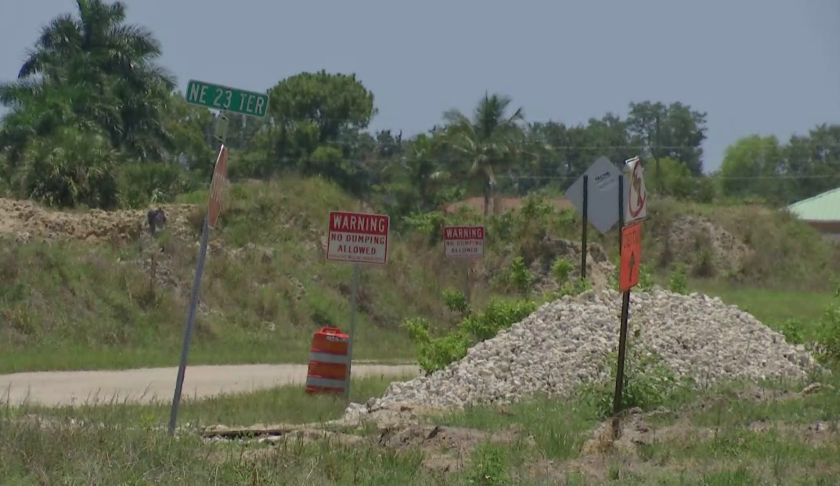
(358, 237)
(463, 241)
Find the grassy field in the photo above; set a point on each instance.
(79, 305)
(76, 305)
(772, 307)
(736, 434)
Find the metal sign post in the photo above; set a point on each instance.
(224, 99)
(467, 281)
(585, 211)
(354, 289)
(217, 185)
(630, 247)
(356, 238)
(622, 336)
(199, 270)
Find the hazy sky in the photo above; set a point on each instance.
(755, 66)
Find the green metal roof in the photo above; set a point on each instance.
(822, 207)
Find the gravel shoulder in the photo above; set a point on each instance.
(157, 384)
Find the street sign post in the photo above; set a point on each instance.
(631, 211)
(584, 226)
(223, 98)
(356, 238)
(464, 243)
(217, 186)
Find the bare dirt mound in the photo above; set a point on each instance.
(598, 267)
(26, 220)
(687, 237)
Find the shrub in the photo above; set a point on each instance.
(828, 335)
(456, 301)
(142, 184)
(575, 288)
(647, 382)
(792, 330)
(489, 465)
(70, 168)
(561, 269)
(430, 224)
(519, 277)
(435, 353)
(498, 315)
(645, 278)
(678, 282)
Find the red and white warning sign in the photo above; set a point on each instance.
(635, 204)
(217, 187)
(463, 241)
(358, 237)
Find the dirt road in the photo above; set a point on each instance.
(158, 384)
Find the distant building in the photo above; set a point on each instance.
(821, 212)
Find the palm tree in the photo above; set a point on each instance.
(99, 35)
(98, 54)
(487, 144)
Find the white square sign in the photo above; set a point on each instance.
(463, 241)
(358, 237)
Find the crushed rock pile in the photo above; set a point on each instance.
(565, 343)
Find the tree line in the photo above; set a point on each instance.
(94, 119)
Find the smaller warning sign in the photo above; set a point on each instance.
(631, 256)
(463, 241)
(358, 237)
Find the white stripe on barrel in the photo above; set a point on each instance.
(328, 358)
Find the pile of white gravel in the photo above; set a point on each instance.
(565, 343)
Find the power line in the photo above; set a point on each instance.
(509, 176)
(393, 161)
(710, 176)
(548, 146)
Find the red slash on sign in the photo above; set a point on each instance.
(636, 183)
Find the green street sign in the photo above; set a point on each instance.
(228, 99)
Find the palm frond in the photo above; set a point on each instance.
(16, 93)
(136, 40)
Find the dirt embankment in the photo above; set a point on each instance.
(27, 220)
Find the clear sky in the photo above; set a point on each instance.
(755, 66)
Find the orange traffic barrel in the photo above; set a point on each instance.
(327, 361)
